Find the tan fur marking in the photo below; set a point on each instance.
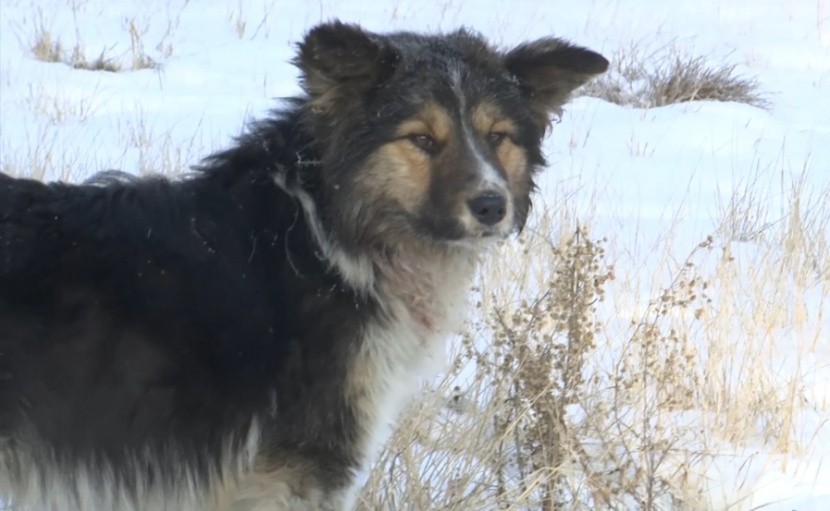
(432, 120)
(488, 118)
(513, 160)
(399, 171)
(505, 126)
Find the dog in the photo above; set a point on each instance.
(242, 338)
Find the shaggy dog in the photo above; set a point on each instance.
(243, 338)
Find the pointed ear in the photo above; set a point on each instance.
(337, 60)
(550, 69)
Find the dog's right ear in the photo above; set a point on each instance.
(341, 61)
(550, 69)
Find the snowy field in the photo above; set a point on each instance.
(705, 382)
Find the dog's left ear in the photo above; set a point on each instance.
(338, 59)
(550, 69)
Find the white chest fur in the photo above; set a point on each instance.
(424, 303)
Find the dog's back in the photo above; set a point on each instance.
(129, 337)
(244, 337)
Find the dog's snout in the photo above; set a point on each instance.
(488, 208)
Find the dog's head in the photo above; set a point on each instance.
(431, 139)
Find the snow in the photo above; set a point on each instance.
(633, 174)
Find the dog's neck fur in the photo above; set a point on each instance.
(427, 278)
(428, 282)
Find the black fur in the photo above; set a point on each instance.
(157, 317)
(150, 312)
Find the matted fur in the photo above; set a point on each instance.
(244, 338)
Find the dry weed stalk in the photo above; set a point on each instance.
(545, 427)
(542, 347)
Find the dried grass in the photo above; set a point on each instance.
(693, 79)
(101, 63)
(555, 402)
(646, 79)
(45, 49)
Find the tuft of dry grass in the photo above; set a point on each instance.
(693, 79)
(101, 63)
(646, 79)
(139, 58)
(45, 49)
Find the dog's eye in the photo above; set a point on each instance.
(425, 143)
(494, 138)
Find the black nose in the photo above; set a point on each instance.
(489, 208)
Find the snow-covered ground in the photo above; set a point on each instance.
(655, 181)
